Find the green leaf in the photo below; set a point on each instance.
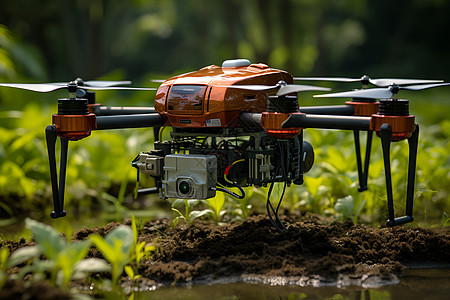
(104, 247)
(129, 271)
(122, 234)
(92, 265)
(180, 215)
(134, 228)
(21, 255)
(197, 214)
(47, 239)
(216, 203)
(78, 250)
(4, 254)
(345, 206)
(313, 184)
(178, 202)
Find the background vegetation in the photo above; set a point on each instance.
(139, 40)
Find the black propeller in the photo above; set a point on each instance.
(283, 88)
(365, 80)
(380, 93)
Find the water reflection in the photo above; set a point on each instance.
(415, 284)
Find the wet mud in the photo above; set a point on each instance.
(311, 252)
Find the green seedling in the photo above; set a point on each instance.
(64, 259)
(190, 215)
(142, 249)
(346, 207)
(215, 206)
(4, 254)
(116, 247)
(62, 256)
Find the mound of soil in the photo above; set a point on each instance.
(31, 290)
(310, 251)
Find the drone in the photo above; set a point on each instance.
(236, 125)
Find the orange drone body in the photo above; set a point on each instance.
(197, 100)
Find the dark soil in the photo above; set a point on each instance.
(311, 250)
(31, 290)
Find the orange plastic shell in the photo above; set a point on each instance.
(364, 109)
(74, 127)
(221, 106)
(272, 123)
(402, 126)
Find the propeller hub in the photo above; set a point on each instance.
(394, 88)
(72, 87)
(281, 83)
(79, 81)
(365, 80)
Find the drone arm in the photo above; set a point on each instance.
(113, 111)
(129, 121)
(327, 122)
(339, 110)
(250, 120)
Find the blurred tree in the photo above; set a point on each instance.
(91, 38)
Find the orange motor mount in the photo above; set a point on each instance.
(73, 120)
(278, 111)
(395, 113)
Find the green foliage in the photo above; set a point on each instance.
(116, 248)
(62, 255)
(216, 207)
(64, 260)
(189, 213)
(4, 254)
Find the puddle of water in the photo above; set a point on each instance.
(415, 284)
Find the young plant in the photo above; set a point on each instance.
(56, 249)
(190, 215)
(141, 249)
(116, 247)
(4, 254)
(215, 206)
(65, 260)
(346, 207)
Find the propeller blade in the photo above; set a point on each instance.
(283, 89)
(378, 93)
(295, 88)
(100, 83)
(382, 82)
(108, 88)
(338, 79)
(423, 86)
(35, 87)
(46, 87)
(389, 81)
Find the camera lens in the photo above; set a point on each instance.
(184, 187)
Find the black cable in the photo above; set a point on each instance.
(269, 206)
(225, 190)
